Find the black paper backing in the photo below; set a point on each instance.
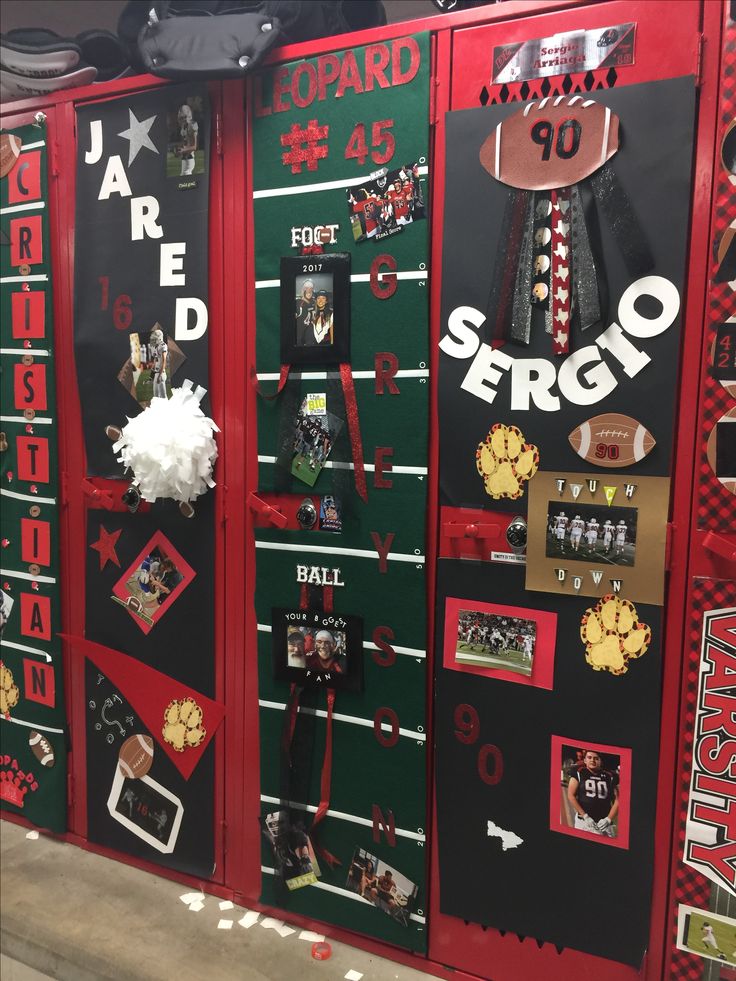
(569, 891)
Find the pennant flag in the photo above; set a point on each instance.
(152, 695)
(597, 575)
(610, 493)
(630, 490)
(577, 582)
(616, 584)
(592, 485)
(576, 488)
(561, 574)
(561, 485)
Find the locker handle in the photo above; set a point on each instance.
(474, 529)
(260, 507)
(720, 545)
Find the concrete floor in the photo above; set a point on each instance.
(68, 915)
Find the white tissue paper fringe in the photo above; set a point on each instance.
(170, 447)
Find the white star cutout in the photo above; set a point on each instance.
(562, 272)
(562, 316)
(137, 136)
(561, 251)
(561, 295)
(562, 229)
(560, 338)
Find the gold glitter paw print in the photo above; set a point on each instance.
(9, 693)
(506, 462)
(183, 724)
(613, 635)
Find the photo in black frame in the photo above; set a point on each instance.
(317, 650)
(315, 309)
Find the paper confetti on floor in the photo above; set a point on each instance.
(315, 938)
(32, 835)
(226, 904)
(250, 919)
(353, 976)
(225, 925)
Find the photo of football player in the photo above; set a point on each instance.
(589, 790)
(6, 605)
(386, 204)
(576, 532)
(292, 850)
(185, 155)
(156, 578)
(708, 934)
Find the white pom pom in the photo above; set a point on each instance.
(170, 447)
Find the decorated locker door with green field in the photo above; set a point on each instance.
(340, 148)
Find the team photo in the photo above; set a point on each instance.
(496, 640)
(588, 533)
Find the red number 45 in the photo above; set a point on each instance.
(382, 141)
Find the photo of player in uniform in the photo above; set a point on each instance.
(293, 855)
(148, 372)
(590, 790)
(305, 452)
(314, 316)
(6, 605)
(496, 640)
(185, 148)
(386, 204)
(382, 885)
(708, 934)
(591, 533)
(153, 582)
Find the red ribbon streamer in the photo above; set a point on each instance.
(283, 375)
(351, 411)
(325, 783)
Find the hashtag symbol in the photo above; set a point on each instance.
(300, 153)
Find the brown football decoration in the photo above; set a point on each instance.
(41, 749)
(551, 143)
(9, 151)
(612, 440)
(136, 756)
(723, 428)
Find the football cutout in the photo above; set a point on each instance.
(136, 757)
(9, 151)
(551, 143)
(612, 440)
(41, 749)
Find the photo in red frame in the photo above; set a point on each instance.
(511, 643)
(153, 582)
(598, 777)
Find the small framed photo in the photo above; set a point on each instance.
(591, 533)
(318, 650)
(707, 934)
(154, 360)
(147, 809)
(186, 138)
(511, 643)
(291, 847)
(382, 885)
(155, 580)
(315, 309)
(590, 791)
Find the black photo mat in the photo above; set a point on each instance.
(307, 662)
(315, 309)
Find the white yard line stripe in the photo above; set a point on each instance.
(340, 815)
(339, 717)
(36, 421)
(13, 208)
(322, 375)
(341, 892)
(26, 650)
(262, 284)
(277, 192)
(38, 278)
(411, 651)
(28, 497)
(369, 467)
(26, 575)
(35, 351)
(361, 553)
(32, 146)
(30, 725)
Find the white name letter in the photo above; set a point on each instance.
(114, 181)
(143, 215)
(600, 379)
(466, 343)
(172, 262)
(182, 330)
(482, 374)
(94, 153)
(523, 384)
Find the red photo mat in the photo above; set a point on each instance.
(182, 566)
(542, 675)
(557, 792)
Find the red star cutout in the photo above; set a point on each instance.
(105, 545)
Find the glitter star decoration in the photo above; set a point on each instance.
(105, 545)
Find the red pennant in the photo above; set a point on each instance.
(150, 692)
(283, 375)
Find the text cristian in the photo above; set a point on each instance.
(583, 378)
